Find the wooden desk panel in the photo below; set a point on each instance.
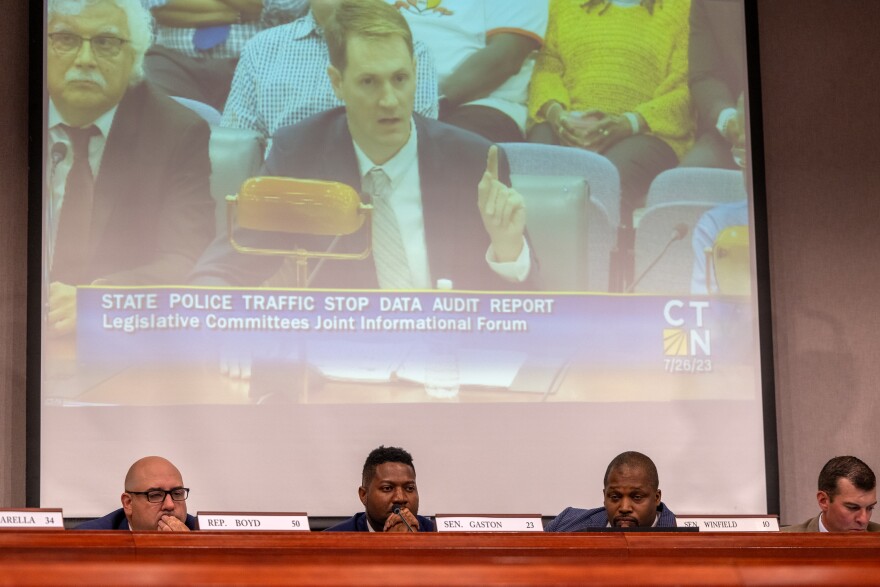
(273, 558)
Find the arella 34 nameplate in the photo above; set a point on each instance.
(41, 518)
(266, 521)
(488, 523)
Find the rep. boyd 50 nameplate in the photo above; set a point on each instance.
(489, 523)
(267, 521)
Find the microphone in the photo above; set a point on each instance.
(397, 511)
(679, 232)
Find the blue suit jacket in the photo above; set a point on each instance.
(117, 521)
(451, 163)
(358, 523)
(575, 519)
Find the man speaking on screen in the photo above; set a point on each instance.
(127, 168)
(442, 205)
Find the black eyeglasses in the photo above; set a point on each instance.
(158, 495)
(106, 46)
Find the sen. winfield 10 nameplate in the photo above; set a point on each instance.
(758, 523)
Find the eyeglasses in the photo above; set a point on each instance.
(158, 495)
(105, 46)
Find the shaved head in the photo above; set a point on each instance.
(152, 474)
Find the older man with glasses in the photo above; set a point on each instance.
(154, 499)
(127, 168)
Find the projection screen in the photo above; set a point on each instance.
(268, 392)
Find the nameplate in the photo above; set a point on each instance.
(36, 518)
(729, 523)
(488, 523)
(268, 521)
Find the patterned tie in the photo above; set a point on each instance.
(206, 38)
(72, 239)
(392, 267)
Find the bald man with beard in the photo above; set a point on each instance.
(154, 499)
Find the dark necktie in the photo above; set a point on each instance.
(70, 258)
(392, 267)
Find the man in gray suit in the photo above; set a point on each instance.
(847, 496)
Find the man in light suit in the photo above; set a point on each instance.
(448, 189)
(847, 497)
(127, 168)
(631, 494)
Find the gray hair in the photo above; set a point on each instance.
(140, 25)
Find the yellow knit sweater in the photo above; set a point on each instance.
(625, 60)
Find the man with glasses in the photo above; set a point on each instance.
(154, 499)
(127, 168)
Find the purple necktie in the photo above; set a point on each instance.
(209, 37)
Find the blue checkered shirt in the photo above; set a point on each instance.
(282, 79)
(275, 12)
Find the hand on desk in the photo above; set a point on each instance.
(503, 212)
(62, 309)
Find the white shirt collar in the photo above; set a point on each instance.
(822, 527)
(103, 122)
(398, 165)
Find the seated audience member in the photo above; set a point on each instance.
(847, 497)
(631, 495)
(717, 77)
(612, 78)
(483, 50)
(127, 167)
(154, 499)
(441, 211)
(281, 78)
(388, 484)
(706, 231)
(198, 42)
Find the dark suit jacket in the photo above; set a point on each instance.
(152, 214)
(575, 519)
(812, 525)
(451, 163)
(358, 523)
(117, 521)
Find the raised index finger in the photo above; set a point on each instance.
(492, 162)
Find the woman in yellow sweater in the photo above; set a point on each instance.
(612, 78)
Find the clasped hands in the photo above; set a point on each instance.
(592, 130)
(394, 523)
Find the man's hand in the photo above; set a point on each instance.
(171, 524)
(503, 212)
(62, 308)
(395, 524)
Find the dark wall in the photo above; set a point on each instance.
(821, 82)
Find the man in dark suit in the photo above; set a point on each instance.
(453, 214)
(847, 497)
(631, 494)
(388, 483)
(154, 499)
(128, 168)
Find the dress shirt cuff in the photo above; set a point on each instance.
(513, 271)
(724, 118)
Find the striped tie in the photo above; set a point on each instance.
(392, 267)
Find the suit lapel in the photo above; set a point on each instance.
(120, 152)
